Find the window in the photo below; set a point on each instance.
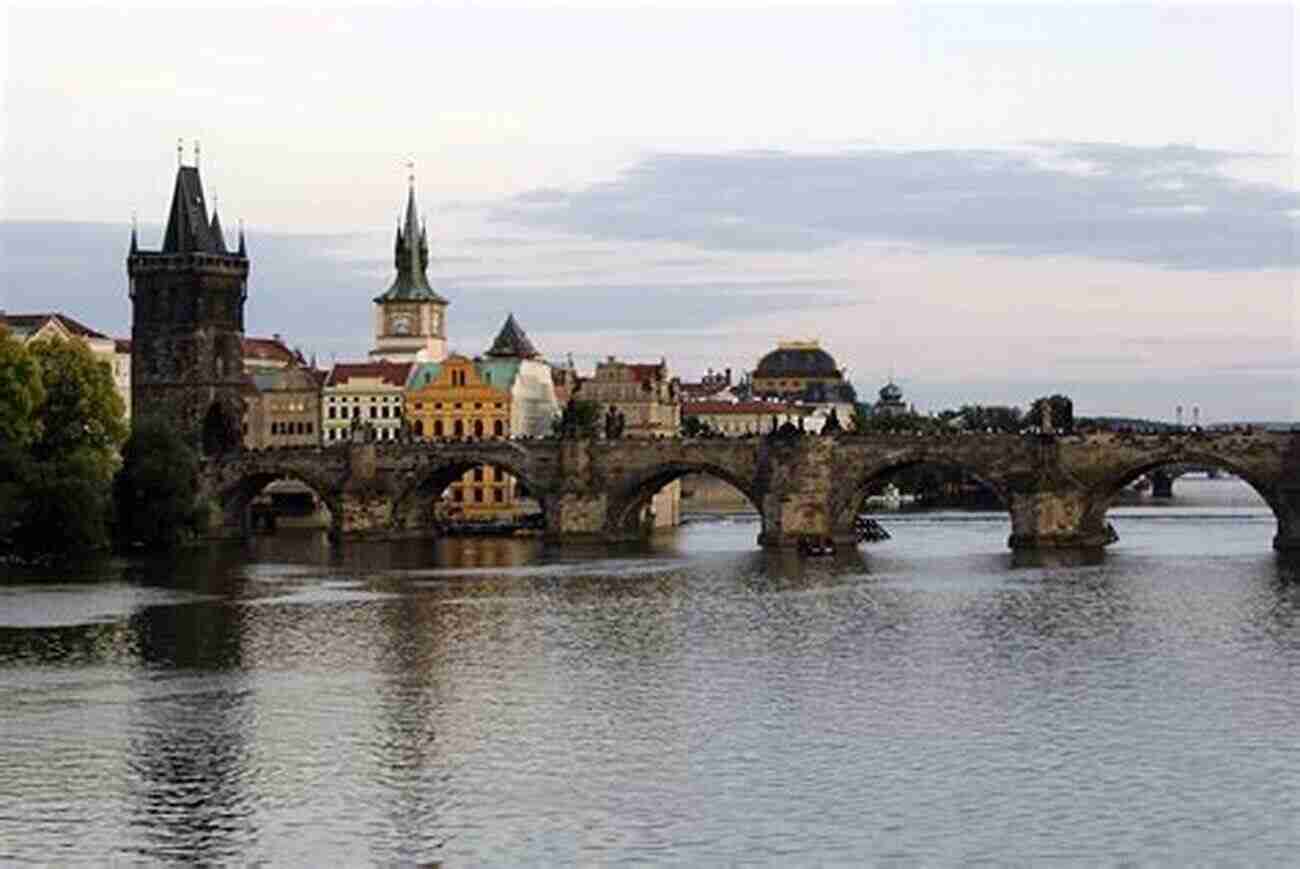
(374, 414)
(478, 405)
(499, 428)
(383, 411)
(437, 428)
(499, 495)
(478, 474)
(478, 428)
(459, 429)
(332, 416)
(478, 496)
(458, 495)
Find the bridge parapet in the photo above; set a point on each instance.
(1056, 488)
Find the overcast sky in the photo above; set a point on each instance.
(990, 202)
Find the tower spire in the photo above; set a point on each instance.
(243, 251)
(135, 241)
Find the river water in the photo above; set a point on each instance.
(926, 700)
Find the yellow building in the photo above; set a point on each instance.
(454, 399)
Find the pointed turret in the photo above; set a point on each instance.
(243, 249)
(512, 341)
(218, 237)
(411, 258)
(135, 240)
(187, 222)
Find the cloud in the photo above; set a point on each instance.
(1176, 206)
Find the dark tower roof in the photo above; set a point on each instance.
(411, 257)
(797, 361)
(218, 237)
(512, 341)
(188, 230)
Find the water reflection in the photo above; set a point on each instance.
(190, 716)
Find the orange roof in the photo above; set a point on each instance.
(392, 373)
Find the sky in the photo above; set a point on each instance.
(987, 203)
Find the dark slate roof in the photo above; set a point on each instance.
(797, 362)
(188, 230)
(512, 341)
(218, 237)
(411, 256)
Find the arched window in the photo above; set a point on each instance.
(458, 429)
(478, 428)
(419, 428)
(437, 428)
(499, 428)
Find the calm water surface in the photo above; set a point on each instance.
(925, 700)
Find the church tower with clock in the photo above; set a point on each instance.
(410, 318)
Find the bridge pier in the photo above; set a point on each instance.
(1056, 518)
(1162, 484)
(798, 500)
(576, 517)
(1287, 509)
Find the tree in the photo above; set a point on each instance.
(154, 492)
(59, 406)
(82, 409)
(694, 427)
(21, 393)
(1062, 413)
(998, 418)
(583, 416)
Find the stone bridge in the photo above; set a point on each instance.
(1056, 487)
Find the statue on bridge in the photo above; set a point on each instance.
(832, 426)
(615, 423)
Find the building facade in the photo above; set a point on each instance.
(744, 418)
(187, 323)
(283, 408)
(643, 393)
(363, 400)
(647, 398)
(410, 318)
(507, 393)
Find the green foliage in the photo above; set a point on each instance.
(21, 393)
(61, 422)
(586, 419)
(154, 492)
(694, 427)
(996, 418)
(82, 409)
(897, 423)
(1062, 412)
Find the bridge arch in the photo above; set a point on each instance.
(629, 500)
(421, 488)
(1105, 493)
(236, 492)
(847, 503)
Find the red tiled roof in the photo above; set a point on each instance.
(647, 371)
(696, 408)
(271, 350)
(29, 323)
(392, 373)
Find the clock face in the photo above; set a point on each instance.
(401, 324)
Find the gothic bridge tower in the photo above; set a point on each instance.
(187, 323)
